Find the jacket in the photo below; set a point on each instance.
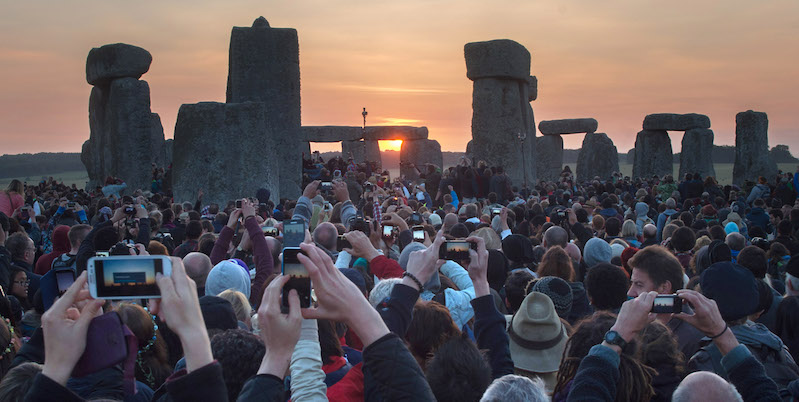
(662, 218)
(689, 338)
(457, 301)
(489, 329)
(60, 246)
(759, 217)
(264, 264)
(758, 191)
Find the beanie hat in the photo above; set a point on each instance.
(354, 277)
(628, 253)
(596, 250)
(559, 291)
(708, 211)
(518, 248)
(434, 219)
(719, 251)
(733, 287)
(228, 274)
(731, 227)
(217, 313)
(434, 283)
(616, 250)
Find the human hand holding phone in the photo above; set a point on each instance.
(361, 246)
(478, 266)
(279, 332)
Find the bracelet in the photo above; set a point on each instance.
(722, 331)
(414, 278)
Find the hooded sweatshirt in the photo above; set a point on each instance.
(227, 275)
(60, 246)
(641, 219)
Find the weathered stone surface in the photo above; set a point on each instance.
(500, 112)
(751, 148)
(567, 126)
(264, 67)
(653, 155)
(372, 151)
(238, 166)
(118, 60)
(549, 157)
(532, 88)
(675, 122)
(697, 151)
(395, 133)
(419, 152)
(598, 157)
(355, 149)
(501, 58)
(169, 150)
(126, 137)
(469, 150)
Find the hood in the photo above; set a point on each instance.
(763, 187)
(61, 240)
(669, 212)
(757, 211)
(756, 335)
(641, 209)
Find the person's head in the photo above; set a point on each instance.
(490, 237)
(655, 269)
(197, 265)
(511, 387)
(153, 368)
(155, 247)
(515, 289)
(650, 231)
(733, 288)
(430, 327)
(19, 282)
(556, 262)
(659, 347)
(537, 335)
(683, 239)
(787, 326)
(606, 285)
(595, 251)
(241, 306)
(326, 235)
(16, 186)
(705, 386)
(239, 352)
(671, 203)
(613, 226)
(76, 235)
(194, 229)
(559, 291)
(598, 223)
(735, 241)
(458, 371)
(669, 229)
(228, 274)
(382, 290)
(555, 236)
(629, 229)
(18, 381)
(21, 248)
(754, 259)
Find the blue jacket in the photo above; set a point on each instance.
(662, 218)
(759, 217)
(758, 191)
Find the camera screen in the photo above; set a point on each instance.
(293, 234)
(664, 301)
(64, 280)
(127, 277)
(292, 266)
(388, 230)
(326, 186)
(418, 235)
(299, 279)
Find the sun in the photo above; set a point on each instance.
(390, 145)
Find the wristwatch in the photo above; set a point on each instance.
(613, 338)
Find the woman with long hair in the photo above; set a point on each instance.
(152, 364)
(12, 198)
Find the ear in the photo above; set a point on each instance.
(665, 288)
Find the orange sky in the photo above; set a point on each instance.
(615, 61)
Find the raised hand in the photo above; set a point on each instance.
(280, 332)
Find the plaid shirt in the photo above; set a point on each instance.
(376, 212)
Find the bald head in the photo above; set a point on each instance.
(450, 220)
(197, 265)
(650, 231)
(325, 235)
(555, 236)
(705, 386)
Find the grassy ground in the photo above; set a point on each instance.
(723, 170)
(79, 177)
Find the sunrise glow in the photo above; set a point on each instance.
(393, 145)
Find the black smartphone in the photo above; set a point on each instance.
(238, 204)
(667, 304)
(293, 232)
(299, 279)
(495, 212)
(64, 279)
(326, 186)
(455, 250)
(415, 218)
(342, 243)
(130, 210)
(24, 213)
(388, 231)
(418, 234)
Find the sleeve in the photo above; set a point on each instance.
(458, 301)
(263, 388)
(222, 243)
(397, 309)
(264, 265)
(749, 376)
(44, 389)
(489, 329)
(86, 249)
(392, 374)
(343, 259)
(597, 376)
(582, 233)
(384, 267)
(144, 232)
(304, 210)
(307, 377)
(204, 384)
(347, 213)
(455, 200)
(505, 233)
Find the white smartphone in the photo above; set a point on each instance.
(127, 277)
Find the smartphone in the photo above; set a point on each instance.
(418, 234)
(299, 279)
(667, 304)
(70, 205)
(102, 254)
(342, 243)
(238, 204)
(456, 250)
(64, 278)
(388, 231)
(415, 218)
(293, 233)
(130, 210)
(24, 213)
(127, 277)
(496, 211)
(326, 186)
(562, 213)
(271, 232)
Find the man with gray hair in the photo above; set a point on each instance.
(650, 235)
(705, 386)
(512, 388)
(325, 236)
(669, 213)
(198, 265)
(736, 242)
(555, 236)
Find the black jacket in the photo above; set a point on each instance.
(390, 373)
(489, 329)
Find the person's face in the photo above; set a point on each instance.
(640, 282)
(30, 252)
(20, 286)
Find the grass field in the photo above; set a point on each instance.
(79, 177)
(723, 170)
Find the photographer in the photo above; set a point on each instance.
(106, 234)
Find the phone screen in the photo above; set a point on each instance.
(102, 254)
(388, 231)
(64, 279)
(272, 232)
(418, 235)
(455, 250)
(124, 277)
(293, 233)
(299, 279)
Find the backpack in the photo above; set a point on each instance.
(65, 261)
(779, 365)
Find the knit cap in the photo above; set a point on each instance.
(733, 287)
(228, 274)
(596, 250)
(559, 291)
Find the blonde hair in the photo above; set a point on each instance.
(491, 238)
(629, 229)
(241, 306)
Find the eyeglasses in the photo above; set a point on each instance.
(26, 282)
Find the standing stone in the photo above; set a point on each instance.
(598, 158)
(118, 60)
(419, 152)
(354, 149)
(549, 157)
(697, 153)
(653, 155)
(501, 110)
(372, 151)
(751, 148)
(567, 126)
(237, 166)
(264, 67)
(675, 122)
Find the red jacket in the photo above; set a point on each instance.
(60, 246)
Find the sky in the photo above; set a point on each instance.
(614, 60)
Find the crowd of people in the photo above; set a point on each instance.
(608, 290)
